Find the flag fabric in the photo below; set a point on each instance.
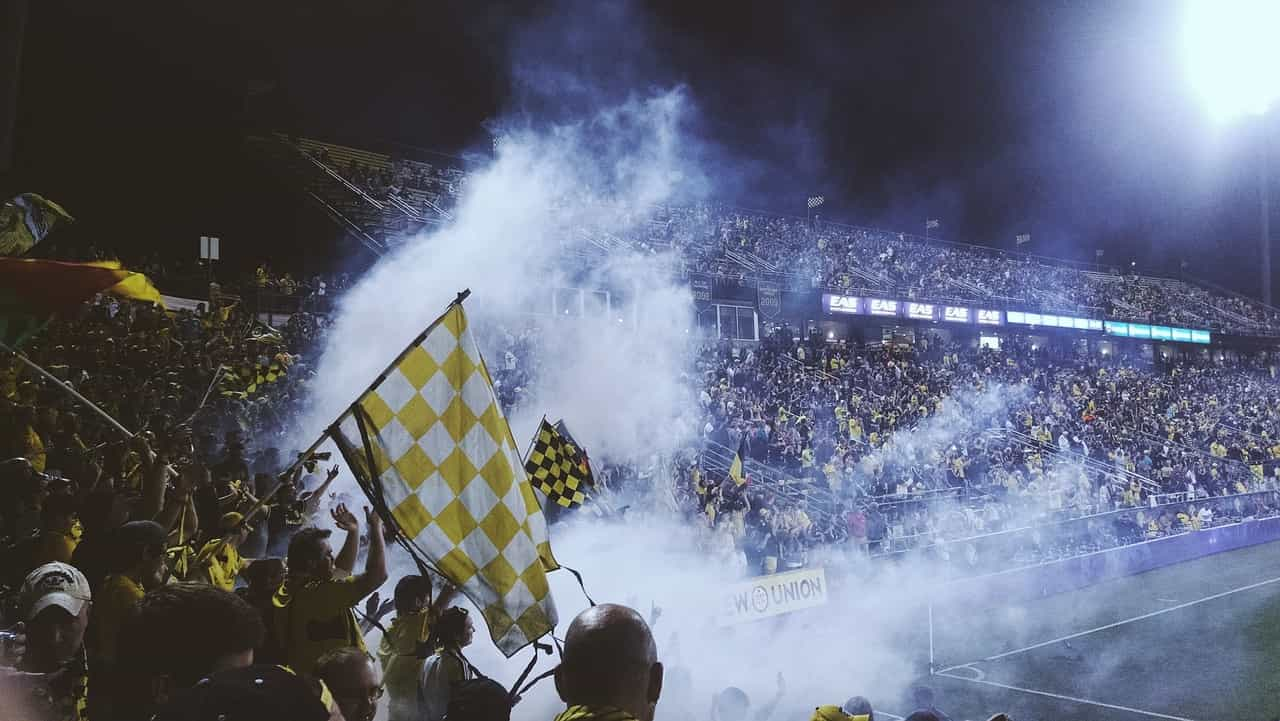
(1023, 238)
(26, 220)
(735, 466)
(578, 451)
(553, 467)
(33, 291)
(815, 201)
(248, 379)
(431, 447)
(931, 223)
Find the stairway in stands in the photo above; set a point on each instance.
(375, 222)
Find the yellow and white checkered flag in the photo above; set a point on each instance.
(446, 469)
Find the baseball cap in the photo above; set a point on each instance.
(54, 584)
(252, 693)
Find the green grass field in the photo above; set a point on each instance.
(1199, 640)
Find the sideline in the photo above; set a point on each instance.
(1152, 614)
(1062, 697)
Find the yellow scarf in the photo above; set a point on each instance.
(590, 713)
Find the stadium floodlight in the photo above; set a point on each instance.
(1231, 58)
(1231, 55)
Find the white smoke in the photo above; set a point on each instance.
(550, 193)
(518, 228)
(963, 413)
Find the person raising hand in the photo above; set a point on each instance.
(313, 609)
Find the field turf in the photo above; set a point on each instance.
(1196, 641)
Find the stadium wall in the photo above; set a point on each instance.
(1068, 574)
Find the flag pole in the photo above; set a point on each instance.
(533, 440)
(462, 295)
(69, 390)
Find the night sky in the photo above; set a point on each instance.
(1069, 121)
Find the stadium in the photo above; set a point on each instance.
(639, 361)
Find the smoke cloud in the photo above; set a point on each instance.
(533, 220)
(520, 231)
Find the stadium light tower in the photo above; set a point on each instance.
(1232, 58)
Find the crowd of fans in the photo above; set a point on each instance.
(831, 255)
(745, 244)
(938, 446)
(197, 524)
(732, 242)
(181, 571)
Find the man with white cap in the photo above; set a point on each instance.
(52, 677)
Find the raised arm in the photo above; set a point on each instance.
(346, 520)
(375, 564)
(312, 504)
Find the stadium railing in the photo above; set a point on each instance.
(1087, 533)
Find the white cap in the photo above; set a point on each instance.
(54, 584)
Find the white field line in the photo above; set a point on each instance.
(1062, 697)
(1152, 614)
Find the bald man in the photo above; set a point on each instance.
(610, 669)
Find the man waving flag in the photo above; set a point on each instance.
(429, 444)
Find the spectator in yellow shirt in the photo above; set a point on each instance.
(219, 561)
(59, 534)
(136, 566)
(401, 652)
(136, 554)
(313, 607)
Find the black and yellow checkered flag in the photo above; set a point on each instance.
(249, 379)
(558, 468)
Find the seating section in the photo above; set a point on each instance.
(757, 246)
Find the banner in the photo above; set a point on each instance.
(700, 284)
(769, 299)
(774, 595)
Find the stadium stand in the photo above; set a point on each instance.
(385, 199)
(852, 453)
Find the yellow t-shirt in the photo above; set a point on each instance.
(315, 617)
(400, 666)
(221, 570)
(8, 381)
(33, 449)
(117, 595)
(55, 546)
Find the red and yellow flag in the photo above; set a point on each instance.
(33, 291)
